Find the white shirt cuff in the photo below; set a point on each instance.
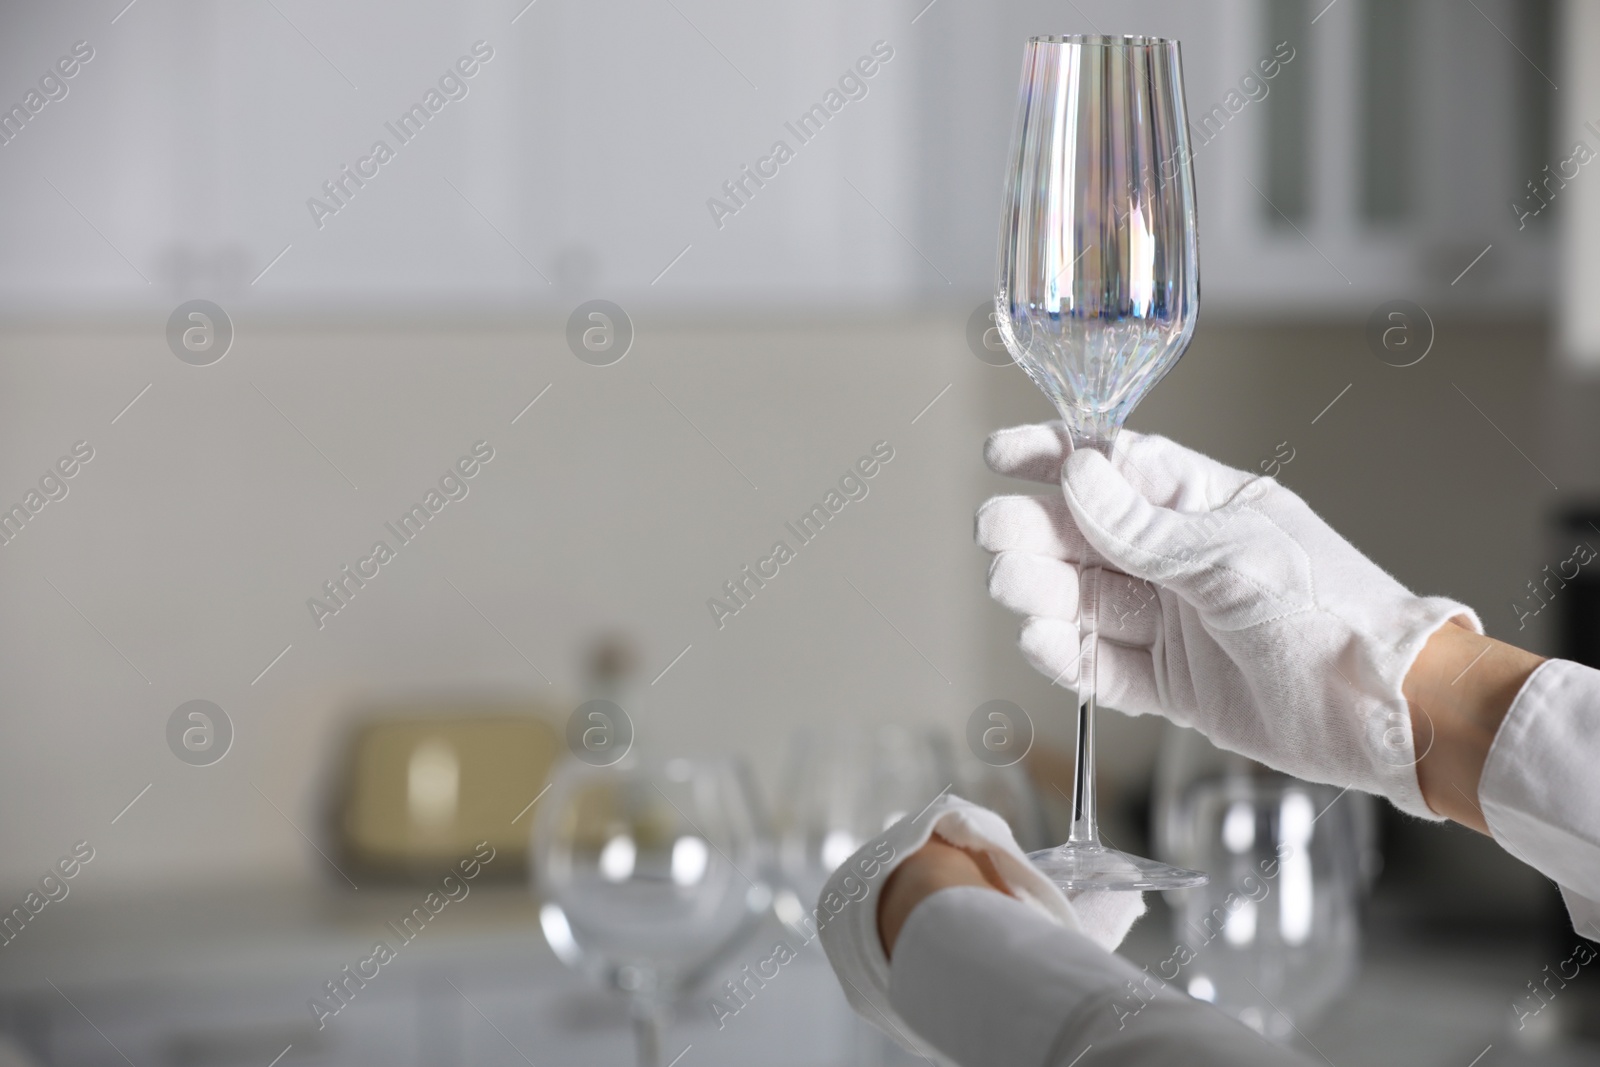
(1539, 791)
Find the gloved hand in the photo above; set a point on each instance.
(847, 909)
(1226, 604)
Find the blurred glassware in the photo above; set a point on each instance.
(843, 787)
(650, 873)
(839, 789)
(1007, 790)
(1274, 939)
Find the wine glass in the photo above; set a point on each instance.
(1275, 939)
(1096, 298)
(841, 787)
(650, 871)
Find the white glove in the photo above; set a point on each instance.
(847, 908)
(1263, 628)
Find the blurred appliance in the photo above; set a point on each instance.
(422, 786)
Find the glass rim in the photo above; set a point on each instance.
(1103, 40)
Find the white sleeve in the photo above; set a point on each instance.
(989, 982)
(1540, 792)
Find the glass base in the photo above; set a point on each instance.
(1079, 867)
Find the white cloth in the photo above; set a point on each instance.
(849, 933)
(1227, 604)
(1539, 791)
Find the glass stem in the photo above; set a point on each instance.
(1085, 824)
(1085, 827)
(648, 1023)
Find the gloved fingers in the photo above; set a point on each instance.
(1033, 452)
(1037, 525)
(1171, 476)
(1165, 472)
(1130, 611)
(1125, 675)
(1147, 540)
(1036, 451)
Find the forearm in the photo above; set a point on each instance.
(1459, 690)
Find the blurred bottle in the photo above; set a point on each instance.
(613, 664)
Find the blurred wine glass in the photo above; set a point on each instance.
(841, 787)
(839, 790)
(649, 872)
(1275, 936)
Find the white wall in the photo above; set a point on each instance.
(192, 540)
